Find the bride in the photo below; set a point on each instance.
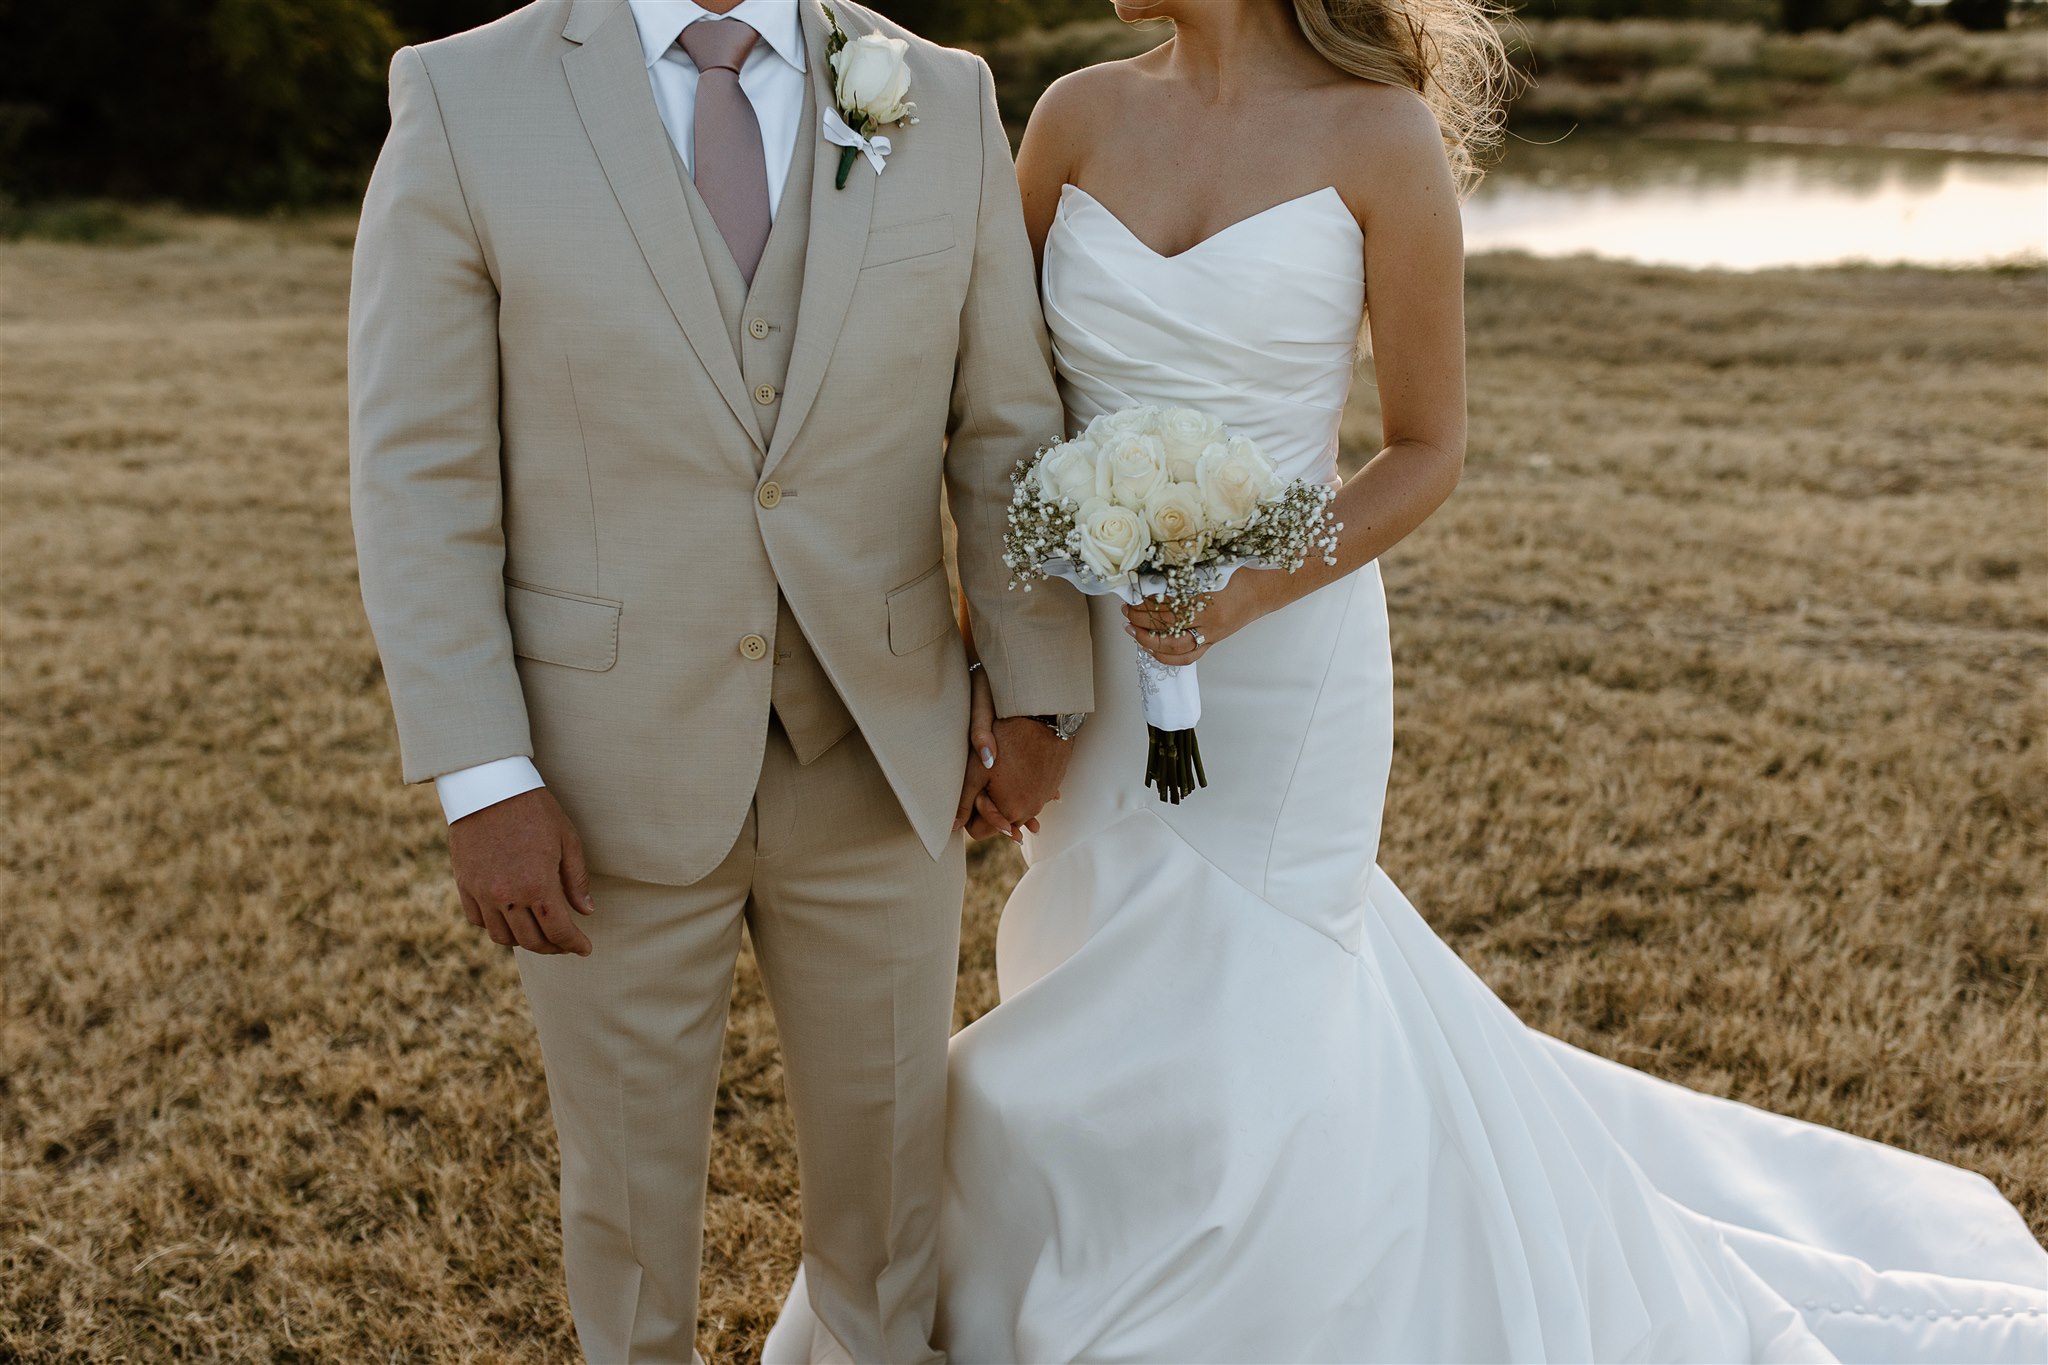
(1238, 1102)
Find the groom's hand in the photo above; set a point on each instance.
(519, 867)
(1031, 762)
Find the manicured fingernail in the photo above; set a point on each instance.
(988, 758)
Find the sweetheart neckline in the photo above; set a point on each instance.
(1225, 230)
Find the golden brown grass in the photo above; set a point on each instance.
(1720, 707)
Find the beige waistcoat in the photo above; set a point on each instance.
(762, 321)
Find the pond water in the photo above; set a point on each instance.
(1751, 205)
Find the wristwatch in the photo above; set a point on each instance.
(1065, 725)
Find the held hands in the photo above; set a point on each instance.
(1243, 600)
(519, 867)
(1014, 768)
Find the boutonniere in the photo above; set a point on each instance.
(870, 80)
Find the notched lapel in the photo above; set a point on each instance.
(840, 220)
(608, 79)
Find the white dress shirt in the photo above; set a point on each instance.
(773, 78)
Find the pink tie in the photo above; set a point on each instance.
(731, 171)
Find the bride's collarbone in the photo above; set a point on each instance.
(1177, 170)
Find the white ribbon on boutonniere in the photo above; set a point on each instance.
(876, 149)
(871, 87)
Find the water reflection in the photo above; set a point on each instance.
(1750, 205)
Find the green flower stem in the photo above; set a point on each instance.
(846, 156)
(1173, 764)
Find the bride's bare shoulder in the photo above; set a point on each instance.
(1373, 117)
(1381, 140)
(1081, 97)
(1069, 118)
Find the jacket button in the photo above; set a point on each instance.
(753, 647)
(765, 394)
(770, 494)
(758, 329)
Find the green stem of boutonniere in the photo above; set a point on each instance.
(835, 39)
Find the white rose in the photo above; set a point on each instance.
(1067, 472)
(1113, 540)
(1175, 516)
(1186, 433)
(1234, 478)
(1246, 449)
(872, 78)
(1131, 467)
(1138, 420)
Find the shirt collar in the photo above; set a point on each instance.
(661, 22)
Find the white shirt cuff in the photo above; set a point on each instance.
(469, 790)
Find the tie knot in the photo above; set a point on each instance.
(718, 44)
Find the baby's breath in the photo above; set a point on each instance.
(1281, 532)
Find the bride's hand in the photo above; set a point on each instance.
(1242, 601)
(977, 812)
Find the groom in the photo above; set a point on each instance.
(649, 425)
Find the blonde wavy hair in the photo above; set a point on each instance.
(1448, 51)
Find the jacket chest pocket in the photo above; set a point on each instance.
(908, 241)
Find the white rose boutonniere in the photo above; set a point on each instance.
(871, 86)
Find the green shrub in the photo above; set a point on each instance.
(1678, 92)
(1603, 53)
(245, 103)
(1810, 59)
(1642, 70)
(91, 222)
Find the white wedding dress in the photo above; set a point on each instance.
(1240, 1104)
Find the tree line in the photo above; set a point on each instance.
(264, 103)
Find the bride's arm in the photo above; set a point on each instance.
(1402, 192)
(1050, 154)
(1407, 205)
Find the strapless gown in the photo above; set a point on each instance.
(1238, 1102)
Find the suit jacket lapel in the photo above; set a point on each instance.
(608, 79)
(839, 237)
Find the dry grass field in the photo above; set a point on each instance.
(1721, 704)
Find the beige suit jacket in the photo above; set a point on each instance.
(558, 479)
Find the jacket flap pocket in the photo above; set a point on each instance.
(560, 628)
(920, 611)
(901, 241)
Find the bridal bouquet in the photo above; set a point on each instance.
(1168, 503)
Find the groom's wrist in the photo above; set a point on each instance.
(466, 791)
(1064, 725)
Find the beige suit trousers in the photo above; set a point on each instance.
(857, 932)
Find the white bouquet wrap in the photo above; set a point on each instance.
(1162, 503)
